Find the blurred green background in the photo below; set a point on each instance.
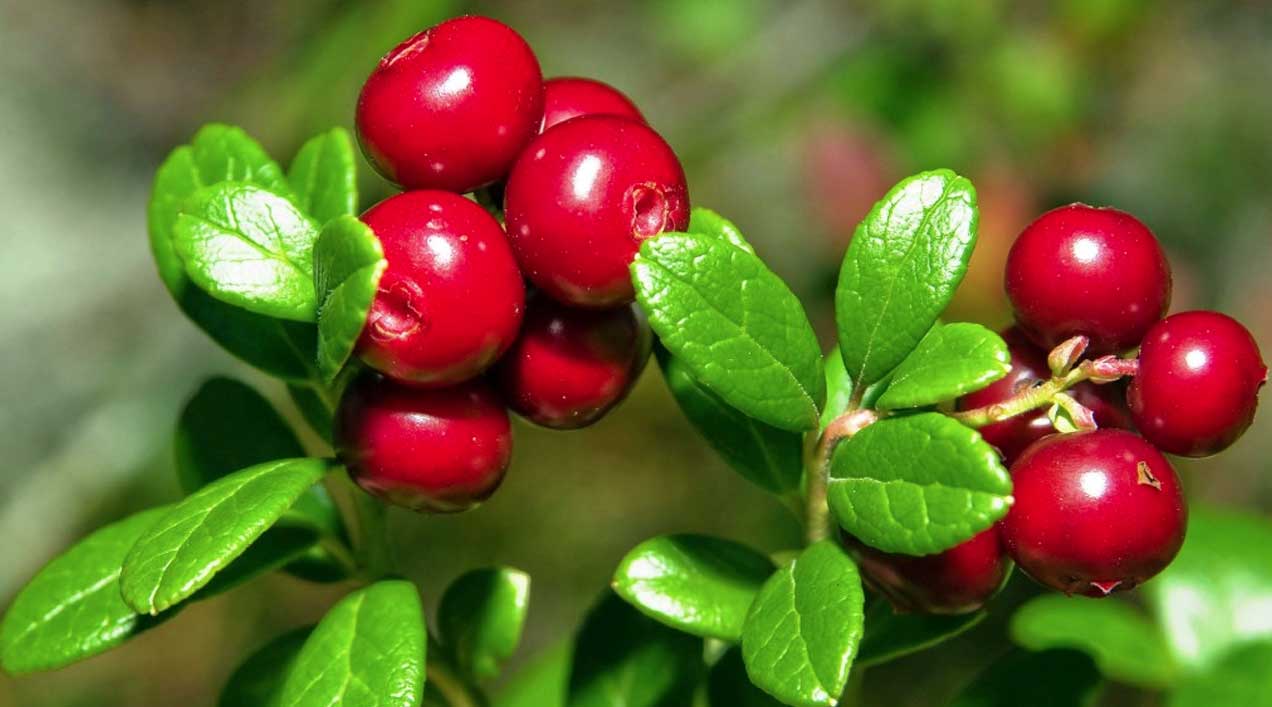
(791, 119)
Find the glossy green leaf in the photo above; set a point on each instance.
(767, 456)
(203, 533)
(275, 549)
(707, 222)
(1241, 677)
(480, 618)
(917, 484)
(542, 683)
(71, 609)
(323, 176)
(368, 651)
(348, 263)
(736, 326)
(1055, 678)
(313, 408)
(952, 360)
(623, 658)
(838, 387)
(695, 583)
(904, 263)
(258, 681)
(889, 635)
(251, 248)
(729, 686)
(1126, 646)
(804, 628)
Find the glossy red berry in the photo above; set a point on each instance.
(428, 450)
(582, 198)
(957, 581)
(570, 97)
(1198, 383)
(1084, 270)
(451, 107)
(1095, 512)
(451, 299)
(571, 366)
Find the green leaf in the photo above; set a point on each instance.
(542, 683)
(251, 248)
(368, 651)
(917, 484)
(313, 408)
(709, 223)
(736, 326)
(1240, 677)
(323, 176)
(952, 360)
(348, 263)
(1124, 643)
(480, 618)
(728, 685)
(623, 658)
(1056, 678)
(839, 389)
(276, 548)
(767, 456)
(202, 534)
(889, 635)
(905, 261)
(258, 681)
(71, 609)
(695, 583)
(804, 628)
(1217, 593)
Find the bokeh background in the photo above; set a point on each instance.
(791, 118)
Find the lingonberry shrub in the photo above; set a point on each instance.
(400, 336)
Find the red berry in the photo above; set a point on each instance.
(571, 366)
(1095, 512)
(957, 581)
(570, 97)
(1198, 383)
(451, 107)
(428, 450)
(451, 300)
(1095, 272)
(582, 198)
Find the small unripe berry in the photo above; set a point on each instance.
(957, 581)
(569, 97)
(1080, 270)
(1094, 513)
(451, 299)
(1198, 383)
(451, 107)
(442, 450)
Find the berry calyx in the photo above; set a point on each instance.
(569, 97)
(451, 299)
(1198, 383)
(1095, 272)
(957, 581)
(1094, 513)
(582, 198)
(571, 366)
(428, 450)
(451, 107)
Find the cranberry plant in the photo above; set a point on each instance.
(407, 333)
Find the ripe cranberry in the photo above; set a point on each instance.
(451, 299)
(428, 450)
(570, 97)
(582, 198)
(1082, 270)
(1028, 368)
(451, 107)
(1095, 512)
(1198, 383)
(957, 581)
(571, 366)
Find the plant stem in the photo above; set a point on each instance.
(452, 688)
(1100, 370)
(817, 455)
(373, 549)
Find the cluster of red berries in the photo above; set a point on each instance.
(453, 338)
(1102, 510)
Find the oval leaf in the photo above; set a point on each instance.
(542, 683)
(710, 223)
(890, 635)
(324, 178)
(952, 360)
(480, 618)
(368, 651)
(905, 261)
(348, 263)
(735, 324)
(804, 628)
(695, 583)
(1240, 677)
(728, 685)
(918, 484)
(201, 535)
(258, 682)
(1056, 678)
